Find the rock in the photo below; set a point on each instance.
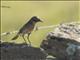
(64, 42)
(12, 51)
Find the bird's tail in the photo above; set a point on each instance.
(15, 37)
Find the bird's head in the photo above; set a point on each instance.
(36, 19)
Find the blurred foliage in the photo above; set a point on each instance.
(51, 12)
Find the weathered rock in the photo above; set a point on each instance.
(64, 42)
(12, 51)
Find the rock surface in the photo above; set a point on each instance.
(64, 42)
(11, 51)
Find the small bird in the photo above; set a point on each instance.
(27, 28)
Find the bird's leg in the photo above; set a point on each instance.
(24, 39)
(28, 38)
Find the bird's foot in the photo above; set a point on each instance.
(29, 45)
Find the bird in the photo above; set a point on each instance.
(27, 29)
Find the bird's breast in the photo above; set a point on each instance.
(27, 29)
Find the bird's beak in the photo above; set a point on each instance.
(41, 21)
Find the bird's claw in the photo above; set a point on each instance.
(29, 45)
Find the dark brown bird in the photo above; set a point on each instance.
(27, 28)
